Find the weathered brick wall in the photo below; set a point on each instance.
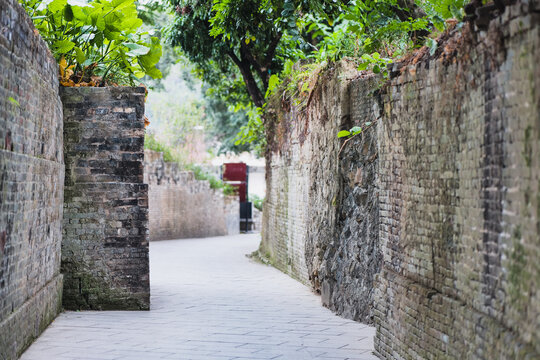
(460, 198)
(433, 227)
(320, 219)
(105, 235)
(353, 257)
(286, 205)
(183, 207)
(31, 183)
(299, 217)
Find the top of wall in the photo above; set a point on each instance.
(159, 172)
(29, 101)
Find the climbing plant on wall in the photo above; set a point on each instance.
(97, 44)
(254, 44)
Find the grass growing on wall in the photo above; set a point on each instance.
(257, 201)
(215, 183)
(151, 143)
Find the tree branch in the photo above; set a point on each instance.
(251, 85)
(271, 51)
(246, 53)
(262, 68)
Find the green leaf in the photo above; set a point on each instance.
(112, 35)
(438, 22)
(122, 4)
(80, 56)
(13, 101)
(56, 6)
(343, 133)
(78, 13)
(98, 39)
(363, 66)
(356, 130)
(139, 74)
(100, 23)
(131, 24)
(154, 73)
(456, 12)
(432, 45)
(136, 49)
(63, 46)
(376, 69)
(149, 60)
(273, 83)
(68, 13)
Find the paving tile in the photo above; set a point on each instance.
(210, 302)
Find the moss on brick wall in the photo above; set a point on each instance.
(31, 183)
(440, 246)
(459, 189)
(105, 228)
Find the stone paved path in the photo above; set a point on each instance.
(210, 302)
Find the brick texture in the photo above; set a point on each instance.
(299, 214)
(320, 219)
(184, 207)
(460, 203)
(105, 226)
(428, 223)
(31, 183)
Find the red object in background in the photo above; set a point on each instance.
(241, 188)
(235, 172)
(236, 175)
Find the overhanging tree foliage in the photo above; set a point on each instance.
(96, 44)
(239, 46)
(231, 38)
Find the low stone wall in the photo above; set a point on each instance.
(427, 224)
(31, 183)
(105, 237)
(183, 207)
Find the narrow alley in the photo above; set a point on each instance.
(210, 301)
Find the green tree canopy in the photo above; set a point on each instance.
(241, 48)
(228, 39)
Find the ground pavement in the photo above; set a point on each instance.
(209, 301)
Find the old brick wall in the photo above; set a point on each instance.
(460, 198)
(428, 223)
(105, 228)
(303, 178)
(184, 207)
(352, 257)
(31, 183)
(320, 219)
